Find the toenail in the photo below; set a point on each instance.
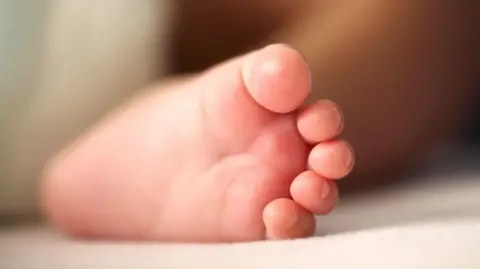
(326, 189)
(302, 55)
(310, 75)
(291, 221)
(340, 118)
(310, 80)
(349, 157)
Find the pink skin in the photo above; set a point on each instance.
(221, 157)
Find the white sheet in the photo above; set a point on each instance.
(435, 246)
(432, 225)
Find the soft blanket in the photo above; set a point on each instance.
(435, 224)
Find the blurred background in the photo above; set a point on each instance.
(404, 72)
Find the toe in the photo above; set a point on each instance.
(241, 96)
(278, 78)
(314, 193)
(285, 219)
(332, 159)
(320, 121)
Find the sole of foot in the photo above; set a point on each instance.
(230, 155)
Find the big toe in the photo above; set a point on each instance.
(277, 77)
(241, 96)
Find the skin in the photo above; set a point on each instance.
(414, 62)
(226, 150)
(381, 55)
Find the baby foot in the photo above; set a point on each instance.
(226, 156)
